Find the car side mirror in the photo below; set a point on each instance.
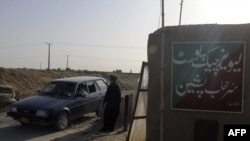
(38, 91)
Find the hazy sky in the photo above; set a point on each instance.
(101, 35)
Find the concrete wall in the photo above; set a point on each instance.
(182, 125)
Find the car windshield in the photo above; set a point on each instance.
(54, 88)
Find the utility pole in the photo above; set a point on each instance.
(180, 12)
(67, 67)
(49, 56)
(162, 13)
(162, 76)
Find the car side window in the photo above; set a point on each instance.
(82, 90)
(102, 84)
(91, 87)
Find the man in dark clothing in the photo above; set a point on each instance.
(112, 101)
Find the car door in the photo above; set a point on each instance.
(78, 107)
(94, 97)
(102, 88)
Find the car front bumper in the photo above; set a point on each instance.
(30, 119)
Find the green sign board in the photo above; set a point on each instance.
(208, 76)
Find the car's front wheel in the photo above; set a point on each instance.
(62, 121)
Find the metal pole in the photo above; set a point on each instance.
(162, 79)
(162, 14)
(180, 12)
(49, 56)
(125, 121)
(67, 67)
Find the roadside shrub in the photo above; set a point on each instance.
(2, 69)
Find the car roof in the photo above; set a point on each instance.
(78, 79)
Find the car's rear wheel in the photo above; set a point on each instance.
(62, 121)
(99, 111)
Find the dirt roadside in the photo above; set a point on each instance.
(90, 131)
(83, 129)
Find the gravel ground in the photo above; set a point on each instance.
(84, 129)
(90, 133)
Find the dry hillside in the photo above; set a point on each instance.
(29, 81)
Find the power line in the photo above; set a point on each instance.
(73, 44)
(102, 46)
(59, 56)
(27, 45)
(112, 59)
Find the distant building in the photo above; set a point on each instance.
(118, 71)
